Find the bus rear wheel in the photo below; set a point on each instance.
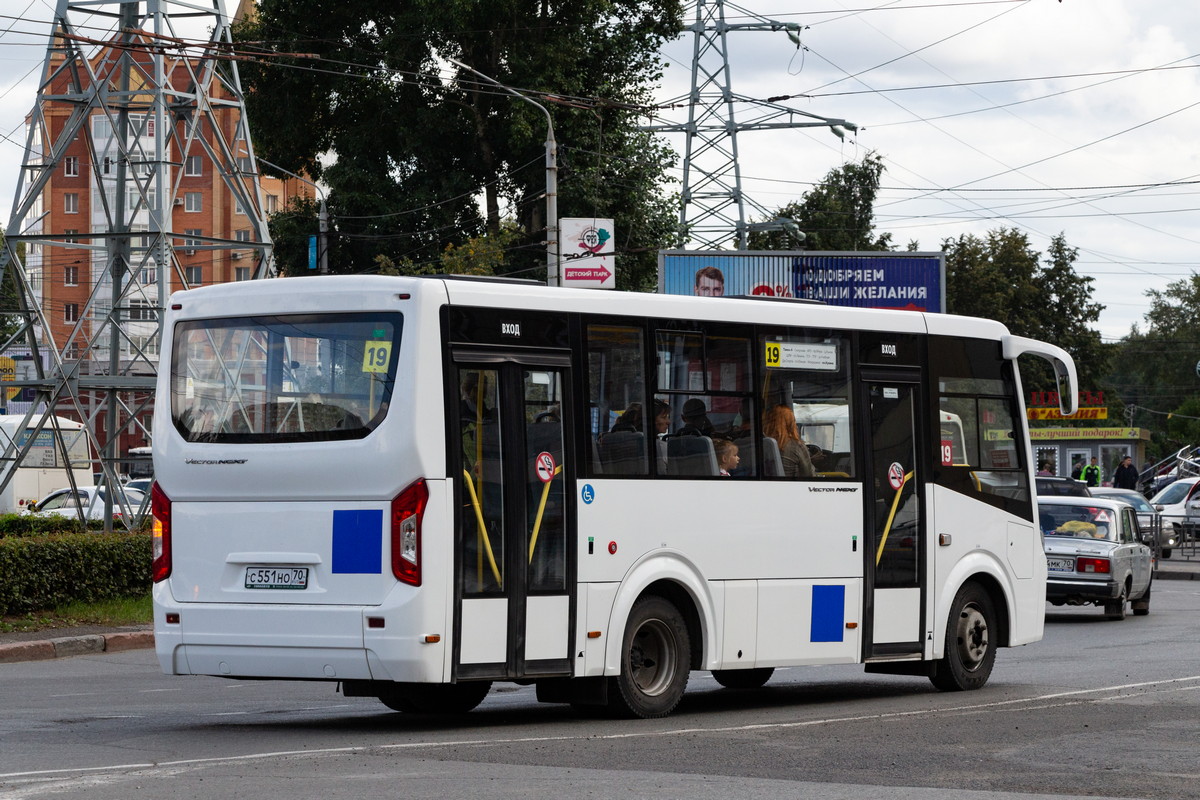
(655, 658)
(970, 647)
(743, 678)
(435, 698)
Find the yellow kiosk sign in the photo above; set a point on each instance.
(8, 374)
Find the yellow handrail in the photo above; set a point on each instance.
(537, 523)
(483, 529)
(891, 516)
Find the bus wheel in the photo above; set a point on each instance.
(435, 698)
(743, 678)
(654, 661)
(970, 642)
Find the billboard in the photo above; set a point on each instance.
(909, 281)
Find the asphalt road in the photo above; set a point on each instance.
(1097, 708)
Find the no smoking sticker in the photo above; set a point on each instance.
(896, 475)
(544, 464)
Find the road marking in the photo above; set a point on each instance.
(1172, 684)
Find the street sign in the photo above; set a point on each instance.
(587, 253)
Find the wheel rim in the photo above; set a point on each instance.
(972, 635)
(652, 657)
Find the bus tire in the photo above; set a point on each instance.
(743, 678)
(970, 647)
(435, 698)
(655, 658)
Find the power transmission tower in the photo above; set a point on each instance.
(135, 96)
(713, 211)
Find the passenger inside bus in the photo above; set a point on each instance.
(727, 456)
(695, 419)
(779, 423)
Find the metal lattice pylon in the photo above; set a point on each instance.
(134, 97)
(713, 209)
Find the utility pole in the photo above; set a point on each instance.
(713, 208)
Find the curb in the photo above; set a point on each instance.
(1175, 575)
(68, 646)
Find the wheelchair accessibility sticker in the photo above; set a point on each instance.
(587, 493)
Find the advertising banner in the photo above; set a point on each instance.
(910, 281)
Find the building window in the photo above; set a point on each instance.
(70, 276)
(71, 312)
(245, 165)
(107, 165)
(272, 203)
(142, 311)
(193, 166)
(241, 273)
(191, 240)
(71, 203)
(69, 235)
(193, 276)
(193, 201)
(238, 208)
(71, 166)
(242, 235)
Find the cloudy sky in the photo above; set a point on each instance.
(1074, 117)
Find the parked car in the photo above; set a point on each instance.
(61, 502)
(1094, 555)
(1172, 503)
(1064, 487)
(1148, 518)
(140, 484)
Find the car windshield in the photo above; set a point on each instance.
(1079, 522)
(1137, 501)
(1175, 493)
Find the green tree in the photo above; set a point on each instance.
(836, 214)
(1002, 277)
(419, 156)
(1155, 366)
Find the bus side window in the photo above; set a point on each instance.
(620, 423)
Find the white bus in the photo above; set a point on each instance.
(418, 486)
(42, 469)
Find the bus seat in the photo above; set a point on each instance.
(623, 453)
(772, 461)
(597, 465)
(691, 456)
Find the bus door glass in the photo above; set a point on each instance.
(512, 527)
(894, 515)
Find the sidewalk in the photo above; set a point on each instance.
(64, 642)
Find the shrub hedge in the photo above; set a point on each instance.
(39, 571)
(24, 525)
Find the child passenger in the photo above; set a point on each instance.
(727, 455)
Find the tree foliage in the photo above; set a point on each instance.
(1156, 365)
(419, 155)
(1002, 277)
(836, 214)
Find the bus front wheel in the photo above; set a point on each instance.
(434, 698)
(655, 658)
(970, 642)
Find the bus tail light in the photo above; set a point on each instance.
(1092, 565)
(160, 507)
(407, 509)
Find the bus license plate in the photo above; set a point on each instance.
(276, 577)
(1060, 564)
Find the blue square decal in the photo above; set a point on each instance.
(358, 542)
(828, 613)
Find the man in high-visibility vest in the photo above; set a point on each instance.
(1091, 473)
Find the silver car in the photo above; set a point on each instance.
(61, 502)
(1094, 555)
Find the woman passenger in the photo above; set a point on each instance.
(780, 424)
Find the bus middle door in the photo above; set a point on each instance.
(895, 516)
(513, 592)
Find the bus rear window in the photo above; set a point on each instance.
(292, 378)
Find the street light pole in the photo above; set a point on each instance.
(322, 219)
(553, 275)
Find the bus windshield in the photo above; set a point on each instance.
(283, 378)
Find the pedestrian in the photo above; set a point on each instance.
(1091, 473)
(1044, 470)
(1126, 476)
(1077, 469)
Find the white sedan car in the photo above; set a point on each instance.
(61, 502)
(1095, 555)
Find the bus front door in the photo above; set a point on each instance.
(512, 564)
(894, 518)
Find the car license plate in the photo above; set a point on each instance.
(276, 577)
(1060, 564)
